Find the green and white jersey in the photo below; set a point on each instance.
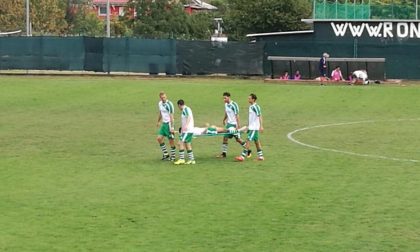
(186, 113)
(254, 117)
(232, 110)
(166, 109)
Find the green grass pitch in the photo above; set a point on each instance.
(80, 168)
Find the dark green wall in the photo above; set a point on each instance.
(402, 53)
(131, 55)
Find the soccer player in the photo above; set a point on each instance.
(187, 128)
(255, 126)
(360, 77)
(214, 130)
(165, 123)
(231, 120)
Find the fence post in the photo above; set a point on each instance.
(272, 69)
(355, 48)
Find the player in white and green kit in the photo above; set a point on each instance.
(187, 130)
(165, 123)
(231, 120)
(255, 126)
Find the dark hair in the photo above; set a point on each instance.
(180, 102)
(226, 94)
(253, 96)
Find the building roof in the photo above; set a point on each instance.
(113, 2)
(200, 5)
(311, 21)
(278, 33)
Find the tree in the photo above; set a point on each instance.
(167, 19)
(249, 16)
(12, 15)
(120, 28)
(86, 23)
(222, 6)
(200, 26)
(153, 18)
(48, 16)
(71, 7)
(393, 9)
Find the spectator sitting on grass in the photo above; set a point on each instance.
(336, 74)
(297, 75)
(285, 76)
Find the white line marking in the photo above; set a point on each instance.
(291, 138)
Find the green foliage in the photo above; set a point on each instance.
(12, 15)
(200, 26)
(393, 9)
(86, 23)
(245, 16)
(157, 18)
(167, 19)
(48, 17)
(222, 7)
(120, 28)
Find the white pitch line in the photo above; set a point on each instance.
(291, 138)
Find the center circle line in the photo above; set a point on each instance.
(291, 138)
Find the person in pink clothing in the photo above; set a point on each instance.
(336, 74)
(297, 75)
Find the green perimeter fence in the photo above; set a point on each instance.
(195, 57)
(131, 55)
(365, 9)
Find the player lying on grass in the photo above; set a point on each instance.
(214, 130)
(222, 131)
(209, 131)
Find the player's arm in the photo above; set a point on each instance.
(243, 129)
(171, 123)
(261, 123)
(238, 124)
(159, 119)
(225, 118)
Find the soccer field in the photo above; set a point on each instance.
(80, 168)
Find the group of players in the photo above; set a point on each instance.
(231, 129)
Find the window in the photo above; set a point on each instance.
(102, 10)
